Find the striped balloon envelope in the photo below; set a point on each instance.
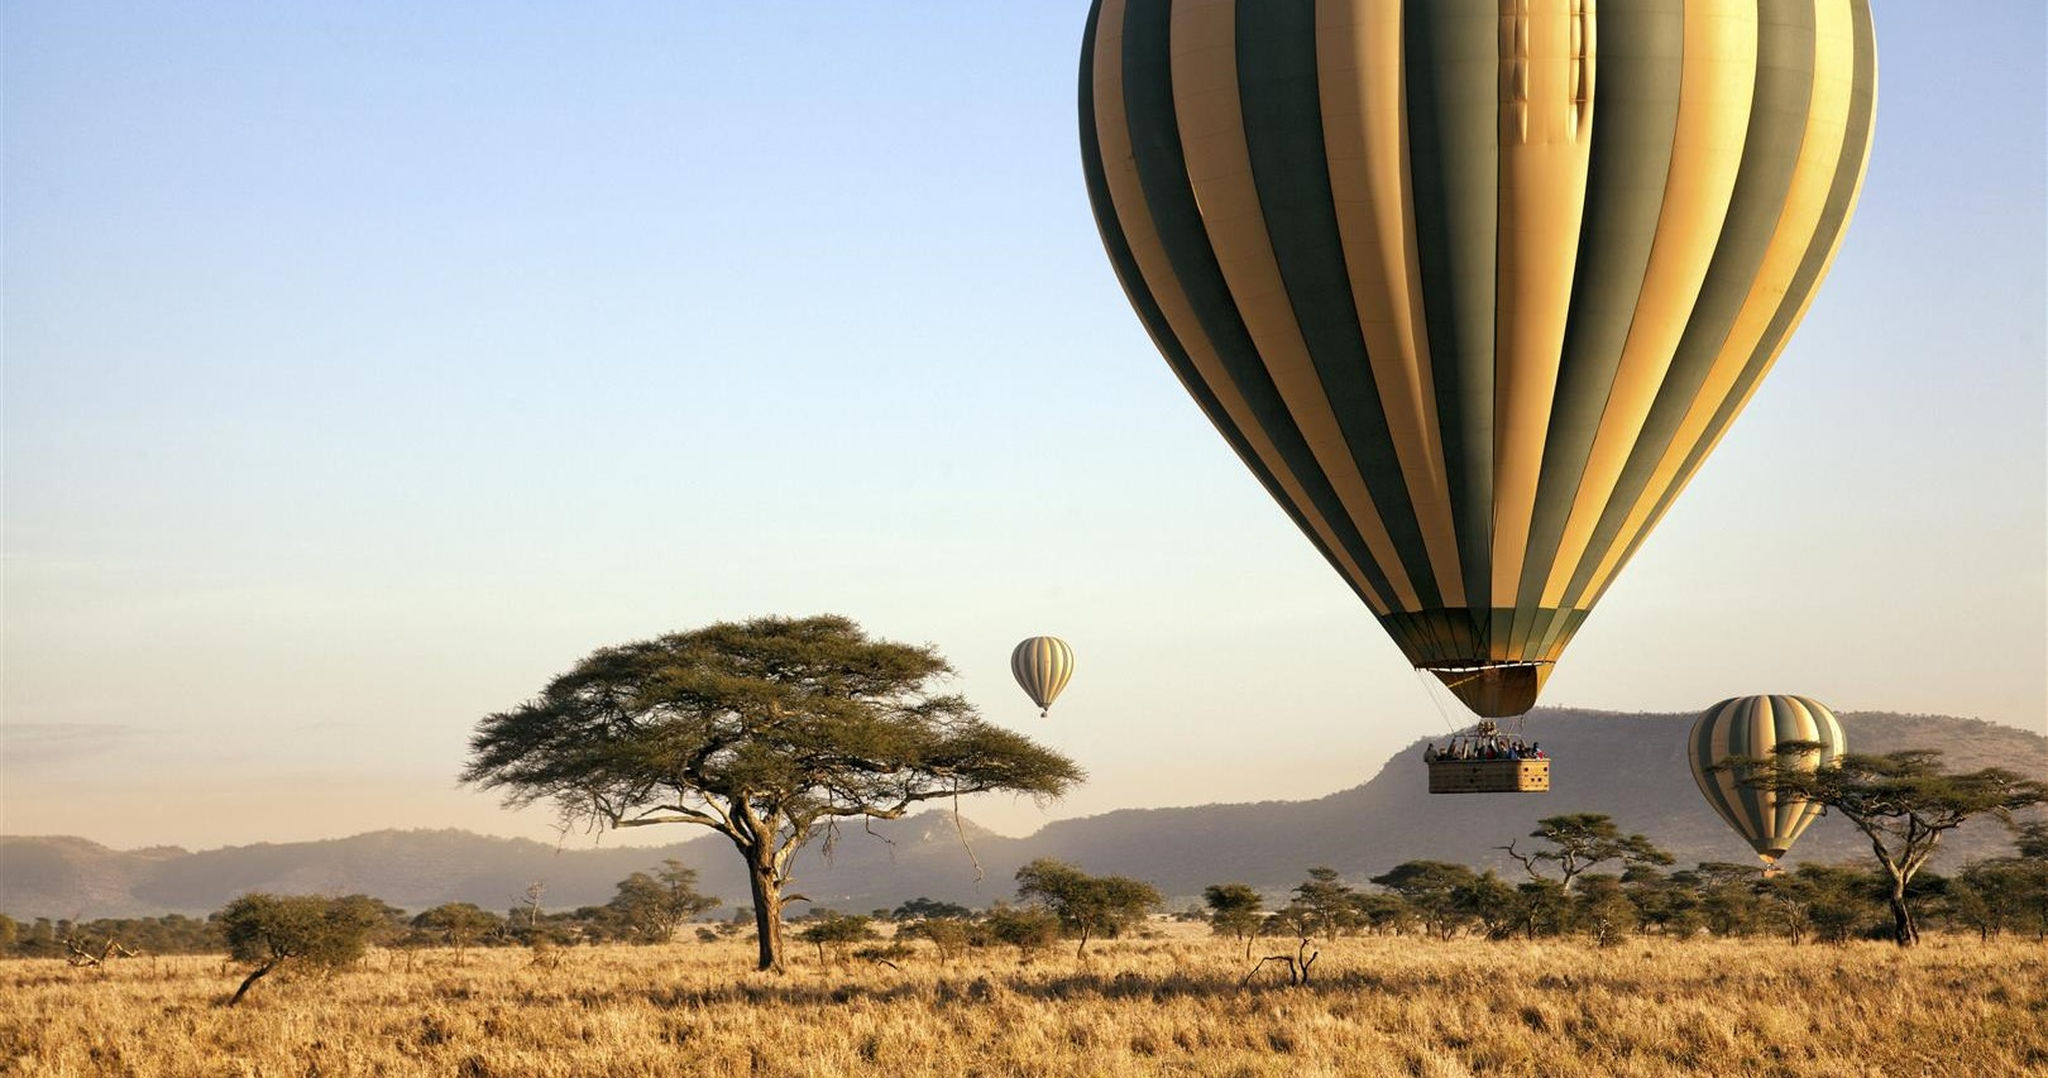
(1755, 726)
(1042, 665)
(1474, 286)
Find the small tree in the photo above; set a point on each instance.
(1086, 906)
(839, 930)
(1834, 902)
(652, 907)
(1234, 911)
(527, 913)
(1382, 912)
(1330, 905)
(1580, 840)
(1432, 890)
(1726, 895)
(1903, 802)
(2002, 894)
(766, 731)
(1542, 907)
(1491, 901)
(271, 930)
(458, 924)
(1603, 911)
(950, 935)
(1028, 928)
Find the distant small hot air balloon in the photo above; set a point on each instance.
(1042, 665)
(1754, 726)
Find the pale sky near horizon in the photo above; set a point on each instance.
(368, 364)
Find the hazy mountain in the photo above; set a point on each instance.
(1631, 767)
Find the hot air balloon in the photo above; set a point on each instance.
(1473, 286)
(1042, 665)
(1754, 726)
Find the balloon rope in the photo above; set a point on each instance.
(1427, 681)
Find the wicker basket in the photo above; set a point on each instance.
(1489, 776)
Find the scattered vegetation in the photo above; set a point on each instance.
(1429, 968)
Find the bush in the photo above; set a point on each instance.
(838, 930)
(1025, 928)
(950, 935)
(270, 930)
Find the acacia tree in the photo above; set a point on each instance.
(2002, 893)
(1580, 840)
(458, 924)
(653, 907)
(1086, 905)
(840, 930)
(1489, 900)
(1603, 910)
(2008, 892)
(767, 731)
(1434, 892)
(1903, 802)
(1329, 904)
(270, 930)
(1234, 909)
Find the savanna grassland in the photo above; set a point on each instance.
(1175, 1005)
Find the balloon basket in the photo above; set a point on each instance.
(1489, 776)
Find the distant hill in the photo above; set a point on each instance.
(1631, 767)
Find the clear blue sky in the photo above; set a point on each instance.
(367, 364)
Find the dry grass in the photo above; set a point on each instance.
(1170, 1006)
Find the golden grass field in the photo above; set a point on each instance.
(1397, 1006)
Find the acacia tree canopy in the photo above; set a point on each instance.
(1579, 840)
(766, 731)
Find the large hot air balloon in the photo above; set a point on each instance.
(1754, 726)
(1473, 286)
(1042, 665)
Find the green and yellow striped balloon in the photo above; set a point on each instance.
(1755, 726)
(1042, 665)
(1473, 286)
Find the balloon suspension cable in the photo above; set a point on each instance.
(1431, 688)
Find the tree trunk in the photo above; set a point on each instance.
(767, 914)
(1904, 932)
(252, 979)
